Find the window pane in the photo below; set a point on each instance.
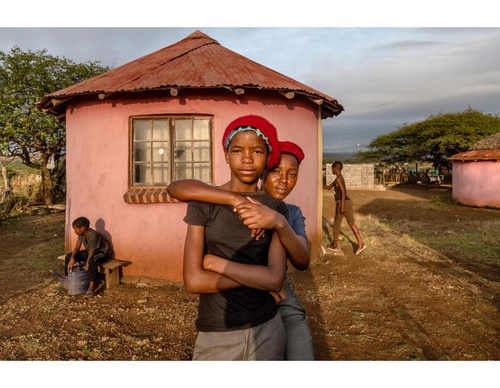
(160, 174)
(141, 130)
(151, 174)
(160, 152)
(142, 152)
(201, 130)
(141, 173)
(184, 171)
(160, 130)
(201, 171)
(182, 151)
(183, 129)
(201, 151)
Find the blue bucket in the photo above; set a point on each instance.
(78, 282)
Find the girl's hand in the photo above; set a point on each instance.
(257, 216)
(279, 296)
(247, 213)
(258, 233)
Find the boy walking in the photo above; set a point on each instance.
(343, 209)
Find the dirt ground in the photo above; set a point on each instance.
(401, 299)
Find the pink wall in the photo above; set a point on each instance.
(152, 236)
(477, 183)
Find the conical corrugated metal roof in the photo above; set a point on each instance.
(197, 61)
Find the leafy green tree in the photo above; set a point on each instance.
(37, 138)
(434, 139)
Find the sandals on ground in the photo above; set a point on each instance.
(360, 249)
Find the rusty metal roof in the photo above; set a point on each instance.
(197, 61)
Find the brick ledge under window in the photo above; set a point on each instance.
(147, 195)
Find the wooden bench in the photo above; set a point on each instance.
(112, 270)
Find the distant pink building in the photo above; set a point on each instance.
(134, 129)
(476, 174)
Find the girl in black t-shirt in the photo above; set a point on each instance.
(237, 315)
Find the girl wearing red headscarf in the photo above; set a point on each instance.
(237, 316)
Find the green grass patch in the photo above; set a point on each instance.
(21, 169)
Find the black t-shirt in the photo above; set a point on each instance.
(226, 236)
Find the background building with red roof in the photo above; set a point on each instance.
(476, 174)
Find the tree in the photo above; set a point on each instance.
(434, 139)
(37, 138)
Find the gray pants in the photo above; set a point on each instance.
(262, 342)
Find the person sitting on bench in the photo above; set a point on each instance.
(97, 250)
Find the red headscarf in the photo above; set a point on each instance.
(291, 148)
(262, 127)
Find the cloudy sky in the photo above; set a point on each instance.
(384, 74)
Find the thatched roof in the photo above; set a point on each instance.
(490, 143)
(486, 149)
